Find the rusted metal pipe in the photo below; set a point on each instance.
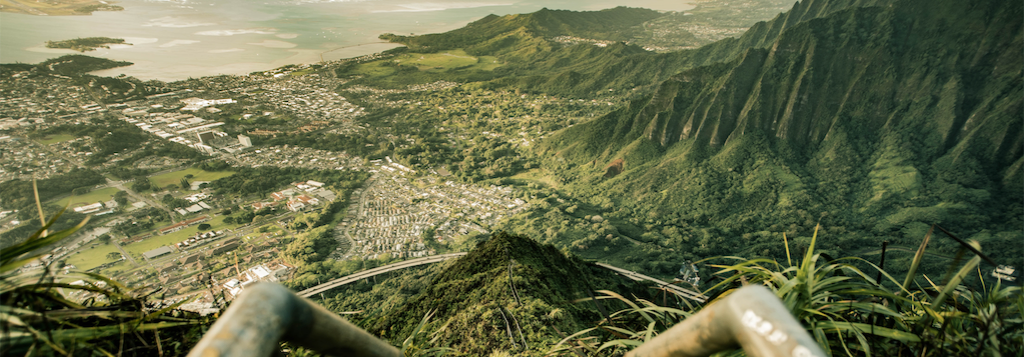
(752, 317)
(267, 313)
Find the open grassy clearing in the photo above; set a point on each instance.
(56, 138)
(197, 175)
(430, 62)
(137, 248)
(92, 257)
(101, 195)
(536, 176)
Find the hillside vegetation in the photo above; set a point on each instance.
(882, 118)
(510, 293)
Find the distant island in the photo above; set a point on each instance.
(86, 44)
(68, 7)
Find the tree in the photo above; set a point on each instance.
(229, 220)
(141, 184)
(113, 256)
(105, 239)
(204, 226)
(121, 197)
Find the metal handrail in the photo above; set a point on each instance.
(267, 313)
(752, 317)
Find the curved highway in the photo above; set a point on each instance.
(685, 293)
(375, 271)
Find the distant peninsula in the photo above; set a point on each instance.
(86, 44)
(57, 8)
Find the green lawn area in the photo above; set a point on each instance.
(301, 72)
(431, 62)
(136, 249)
(197, 175)
(448, 59)
(89, 258)
(536, 175)
(56, 138)
(101, 195)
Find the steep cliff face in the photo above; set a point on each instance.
(857, 67)
(901, 114)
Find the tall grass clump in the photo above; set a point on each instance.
(848, 311)
(40, 318)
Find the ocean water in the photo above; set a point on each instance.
(173, 40)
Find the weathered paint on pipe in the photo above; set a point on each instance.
(267, 313)
(752, 317)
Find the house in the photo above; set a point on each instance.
(261, 205)
(191, 259)
(296, 205)
(226, 247)
(277, 196)
(309, 201)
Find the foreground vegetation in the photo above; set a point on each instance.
(849, 310)
(47, 316)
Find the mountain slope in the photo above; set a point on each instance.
(888, 118)
(493, 34)
(508, 294)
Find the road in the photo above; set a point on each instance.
(125, 253)
(685, 293)
(376, 271)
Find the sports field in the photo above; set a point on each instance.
(137, 248)
(197, 175)
(56, 138)
(92, 257)
(101, 195)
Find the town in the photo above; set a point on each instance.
(158, 222)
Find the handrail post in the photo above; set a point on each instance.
(752, 317)
(267, 313)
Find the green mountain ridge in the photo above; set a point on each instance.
(494, 32)
(536, 63)
(888, 118)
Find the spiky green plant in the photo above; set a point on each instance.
(623, 330)
(850, 313)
